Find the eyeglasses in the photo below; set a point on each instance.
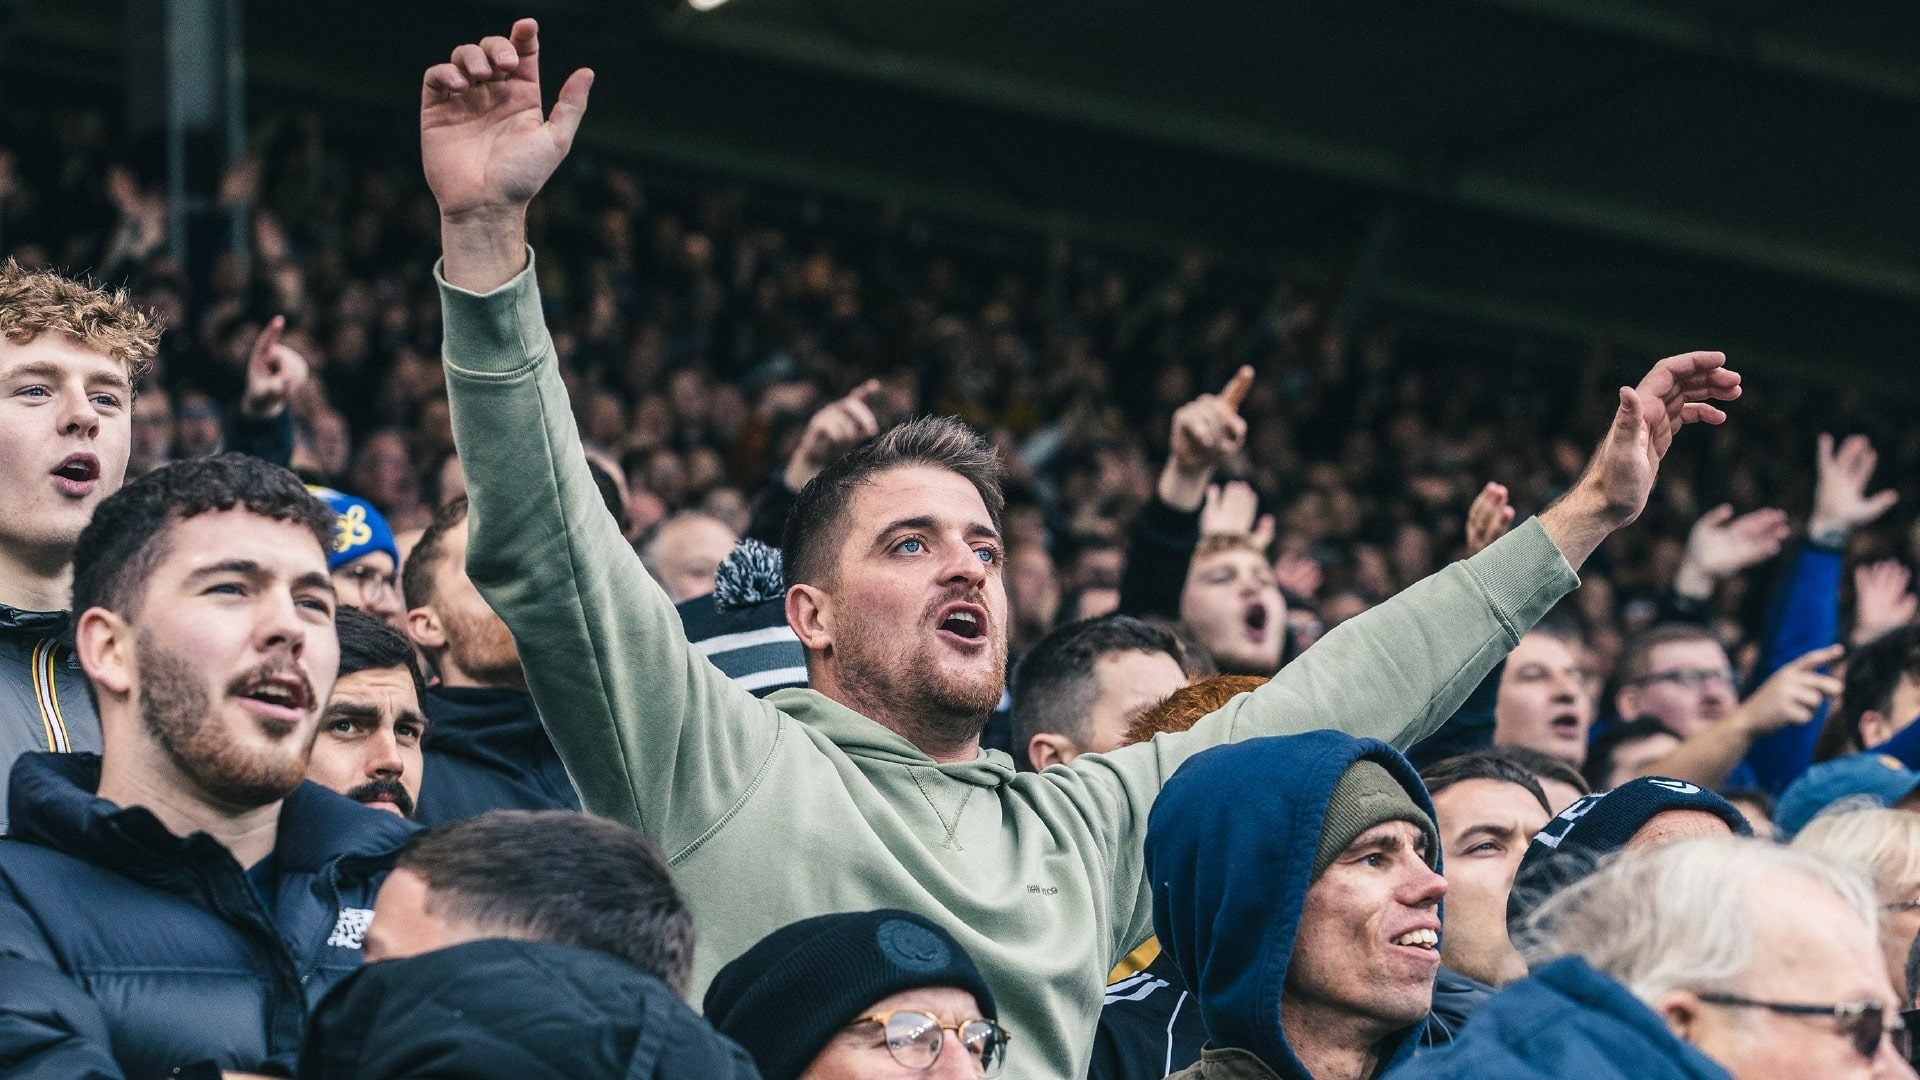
(1693, 678)
(373, 585)
(915, 1039)
(1865, 1023)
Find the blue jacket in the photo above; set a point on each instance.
(1566, 1020)
(1804, 615)
(487, 751)
(1229, 857)
(127, 951)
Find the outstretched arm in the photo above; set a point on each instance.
(651, 732)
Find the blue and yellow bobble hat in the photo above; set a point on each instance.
(361, 529)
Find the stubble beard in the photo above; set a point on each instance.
(934, 712)
(178, 715)
(483, 647)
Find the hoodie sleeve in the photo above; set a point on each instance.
(652, 734)
(1395, 673)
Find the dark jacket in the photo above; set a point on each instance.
(43, 693)
(1159, 553)
(1149, 1027)
(487, 751)
(127, 951)
(1456, 998)
(1230, 876)
(514, 1010)
(1566, 1020)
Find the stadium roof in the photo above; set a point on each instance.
(1661, 173)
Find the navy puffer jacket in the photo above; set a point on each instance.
(126, 951)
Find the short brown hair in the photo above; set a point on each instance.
(558, 876)
(1215, 543)
(1637, 656)
(817, 525)
(1186, 706)
(35, 302)
(416, 577)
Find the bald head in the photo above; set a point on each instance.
(685, 551)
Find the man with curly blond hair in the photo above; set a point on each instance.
(70, 355)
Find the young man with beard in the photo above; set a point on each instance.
(179, 902)
(869, 789)
(368, 748)
(70, 355)
(488, 750)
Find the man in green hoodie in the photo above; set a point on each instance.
(869, 789)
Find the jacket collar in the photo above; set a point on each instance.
(15, 620)
(51, 802)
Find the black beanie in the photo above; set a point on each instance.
(789, 995)
(1570, 846)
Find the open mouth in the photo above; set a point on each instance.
(1566, 723)
(964, 621)
(1256, 618)
(279, 701)
(77, 473)
(1422, 938)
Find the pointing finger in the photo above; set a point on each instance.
(865, 424)
(1237, 387)
(269, 337)
(1820, 657)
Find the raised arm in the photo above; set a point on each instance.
(1206, 431)
(1401, 669)
(651, 732)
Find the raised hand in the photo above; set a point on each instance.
(1619, 478)
(837, 428)
(1206, 431)
(1721, 545)
(487, 147)
(1489, 518)
(1840, 500)
(1793, 694)
(1232, 508)
(275, 372)
(1881, 599)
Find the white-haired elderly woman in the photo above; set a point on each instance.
(1887, 843)
(1699, 959)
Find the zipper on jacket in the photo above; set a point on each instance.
(43, 659)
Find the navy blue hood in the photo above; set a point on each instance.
(1229, 854)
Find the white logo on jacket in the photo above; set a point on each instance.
(350, 929)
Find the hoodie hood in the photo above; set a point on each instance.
(1229, 854)
(861, 737)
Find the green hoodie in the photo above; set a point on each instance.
(775, 810)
